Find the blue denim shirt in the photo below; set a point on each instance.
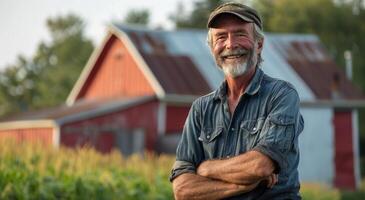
(266, 119)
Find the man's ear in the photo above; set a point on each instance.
(260, 45)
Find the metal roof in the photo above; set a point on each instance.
(64, 113)
(177, 74)
(310, 60)
(181, 60)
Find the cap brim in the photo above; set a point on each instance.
(244, 18)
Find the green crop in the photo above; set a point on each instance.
(37, 171)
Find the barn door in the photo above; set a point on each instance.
(130, 141)
(344, 150)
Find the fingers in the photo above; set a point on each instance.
(272, 180)
(248, 187)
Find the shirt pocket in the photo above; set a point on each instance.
(250, 131)
(210, 141)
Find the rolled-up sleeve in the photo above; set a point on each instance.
(189, 152)
(283, 125)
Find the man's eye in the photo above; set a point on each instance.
(242, 34)
(222, 37)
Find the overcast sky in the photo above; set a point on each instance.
(23, 22)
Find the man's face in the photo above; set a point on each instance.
(233, 45)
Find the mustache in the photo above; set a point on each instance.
(236, 52)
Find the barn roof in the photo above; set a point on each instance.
(298, 58)
(178, 63)
(64, 113)
(189, 44)
(309, 59)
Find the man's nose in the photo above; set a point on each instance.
(231, 42)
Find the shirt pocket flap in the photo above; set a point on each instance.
(282, 120)
(252, 126)
(208, 135)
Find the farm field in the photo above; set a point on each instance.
(30, 171)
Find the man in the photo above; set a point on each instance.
(240, 141)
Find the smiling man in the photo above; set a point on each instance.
(240, 141)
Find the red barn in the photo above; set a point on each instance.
(136, 90)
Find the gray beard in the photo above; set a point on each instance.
(235, 70)
(238, 69)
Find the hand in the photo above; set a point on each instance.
(203, 169)
(272, 180)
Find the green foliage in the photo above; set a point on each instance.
(137, 17)
(62, 60)
(198, 17)
(34, 171)
(47, 78)
(319, 192)
(16, 83)
(29, 171)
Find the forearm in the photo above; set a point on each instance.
(246, 168)
(193, 186)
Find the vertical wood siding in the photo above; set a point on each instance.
(115, 74)
(33, 135)
(175, 118)
(344, 156)
(101, 131)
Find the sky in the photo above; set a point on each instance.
(23, 22)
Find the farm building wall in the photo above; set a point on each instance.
(316, 144)
(175, 118)
(110, 130)
(344, 148)
(327, 147)
(43, 135)
(115, 74)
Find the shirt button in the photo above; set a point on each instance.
(254, 128)
(232, 129)
(208, 136)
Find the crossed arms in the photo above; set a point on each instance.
(217, 179)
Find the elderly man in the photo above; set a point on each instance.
(240, 141)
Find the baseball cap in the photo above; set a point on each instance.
(244, 12)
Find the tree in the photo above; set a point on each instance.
(62, 60)
(198, 17)
(137, 17)
(15, 87)
(47, 78)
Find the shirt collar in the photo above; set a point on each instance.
(251, 89)
(255, 83)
